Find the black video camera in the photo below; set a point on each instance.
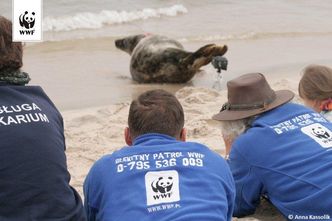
(219, 63)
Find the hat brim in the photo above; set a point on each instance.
(282, 97)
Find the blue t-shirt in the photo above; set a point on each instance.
(287, 156)
(34, 181)
(160, 178)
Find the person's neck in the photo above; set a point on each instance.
(148, 136)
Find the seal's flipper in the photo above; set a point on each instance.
(204, 55)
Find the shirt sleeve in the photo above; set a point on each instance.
(229, 189)
(248, 186)
(89, 195)
(230, 200)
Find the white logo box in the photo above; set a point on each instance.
(319, 133)
(172, 194)
(29, 32)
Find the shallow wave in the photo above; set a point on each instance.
(200, 38)
(88, 20)
(252, 36)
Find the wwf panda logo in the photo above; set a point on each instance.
(162, 185)
(320, 133)
(27, 20)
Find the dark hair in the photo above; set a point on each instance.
(10, 52)
(156, 111)
(316, 83)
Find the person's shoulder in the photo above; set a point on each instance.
(26, 89)
(248, 143)
(281, 113)
(196, 145)
(36, 92)
(328, 116)
(107, 158)
(98, 172)
(41, 91)
(250, 135)
(101, 163)
(31, 88)
(107, 162)
(207, 151)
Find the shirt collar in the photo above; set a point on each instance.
(152, 136)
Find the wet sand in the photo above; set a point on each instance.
(92, 72)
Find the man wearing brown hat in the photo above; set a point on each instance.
(277, 149)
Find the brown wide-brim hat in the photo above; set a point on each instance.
(250, 95)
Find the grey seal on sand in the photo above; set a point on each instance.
(159, 59)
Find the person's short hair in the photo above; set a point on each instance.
(316, 83)
(156, 111)
(10, 52)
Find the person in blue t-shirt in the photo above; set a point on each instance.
(34, 180)
(159, 176)
(278, 150)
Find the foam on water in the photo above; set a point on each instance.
(252, 35)
(185, 20)
(88, 20)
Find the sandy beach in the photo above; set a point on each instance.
(93, 132)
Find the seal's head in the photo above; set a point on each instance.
(128, 44)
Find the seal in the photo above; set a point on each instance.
(159, 59)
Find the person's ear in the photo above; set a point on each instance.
(318, 105)
(183, 134)
(128, 137)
